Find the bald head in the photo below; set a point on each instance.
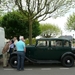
(21, 38)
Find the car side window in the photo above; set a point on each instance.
(66, 44)
(53, 43)
(59, 43)
(56, 43)
(43, 43)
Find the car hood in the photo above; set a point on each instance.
(30, 46)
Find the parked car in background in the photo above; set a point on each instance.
(48, 50)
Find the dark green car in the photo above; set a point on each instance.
(48, 50)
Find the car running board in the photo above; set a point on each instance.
(47, 61)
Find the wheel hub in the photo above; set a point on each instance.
(15, 62)
(68, 61)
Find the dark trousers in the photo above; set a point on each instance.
(20, 59)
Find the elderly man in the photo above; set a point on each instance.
(5, 55)
(21, 49)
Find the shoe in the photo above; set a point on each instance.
(22, 69)
(18, 69)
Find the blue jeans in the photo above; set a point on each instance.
(20, 59)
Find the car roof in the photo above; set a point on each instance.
(62, 39)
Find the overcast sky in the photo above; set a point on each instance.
(61, 21)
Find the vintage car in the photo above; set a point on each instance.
(48, 50)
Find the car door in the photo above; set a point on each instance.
(57, 49)
(42, 50)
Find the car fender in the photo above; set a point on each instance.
(12, 55)
(68, 53)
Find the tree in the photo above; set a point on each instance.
(15, 24)
(41, 10)
(70, 25)
(6, 6)
(0, 20)
(49, 30)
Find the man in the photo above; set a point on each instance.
(15, 40)
(21, 49)
(5, 56)
(11, 46)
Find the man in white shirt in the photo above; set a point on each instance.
(15, 40)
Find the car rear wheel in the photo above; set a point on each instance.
(13, 61)
(68, 61)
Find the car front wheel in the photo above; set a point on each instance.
(13, 61)
(68, 61)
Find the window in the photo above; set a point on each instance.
(59, 43)
(53, 43)
(66, 44)
(43, 43)
(56, 43)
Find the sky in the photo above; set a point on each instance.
(61, 22)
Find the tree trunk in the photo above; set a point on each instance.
(30, 32)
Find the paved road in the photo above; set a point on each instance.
(50, 69)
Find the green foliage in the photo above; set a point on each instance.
(0, 21)
(16, 24)
(33, 41)
(49, 30)
(36, 29)
(70, 25)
